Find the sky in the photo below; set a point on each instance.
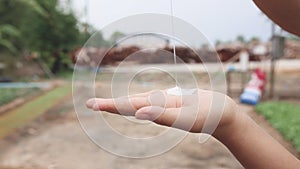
(217, 19)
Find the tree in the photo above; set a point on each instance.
(116, 36)
(7, 32)
(39, 26)
(254, 39)
(97, 39)
(9, 20)
(53, 35)
(218, 42)
(240, 38)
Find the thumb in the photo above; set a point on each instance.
(149, 113)
(182, 118)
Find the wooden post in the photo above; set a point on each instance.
(272, 77)
(228, 79)
(278, 46)
(272, 80)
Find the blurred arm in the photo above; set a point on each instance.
(285, 13)
(253, 147)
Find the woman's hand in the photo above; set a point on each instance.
(187, 112)
(247, 141)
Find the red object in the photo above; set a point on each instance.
(258, 80)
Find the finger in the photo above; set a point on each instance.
(185, 118)
(123, 105)
(90, 103)
(146, 94)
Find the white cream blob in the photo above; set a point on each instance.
(177, 91)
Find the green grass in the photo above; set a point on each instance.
(7, 95)
(66, 74)
(285, 117)
(20, 116)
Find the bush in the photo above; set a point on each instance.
(7, 95)
(285, 117)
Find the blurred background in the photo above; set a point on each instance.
(41, 40)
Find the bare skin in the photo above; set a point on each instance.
(248, 142)
(285, 13)
(254, 148)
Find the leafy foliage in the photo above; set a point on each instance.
(58, 32)
(44, 30)
(8, 95)
(116, 36)
(241, 38)
(41, 27)
(284, 117)
(7, 30)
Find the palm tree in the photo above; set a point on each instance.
(8, 30)
(34, 5)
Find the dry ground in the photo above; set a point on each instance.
(60, 143)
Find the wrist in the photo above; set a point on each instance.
(233, 130)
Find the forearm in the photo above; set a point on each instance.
(253, 147)
(285, 13)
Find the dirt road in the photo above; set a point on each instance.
(62, 144)
(65, 146)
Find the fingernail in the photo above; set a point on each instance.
(89, 103)
(95, 107)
